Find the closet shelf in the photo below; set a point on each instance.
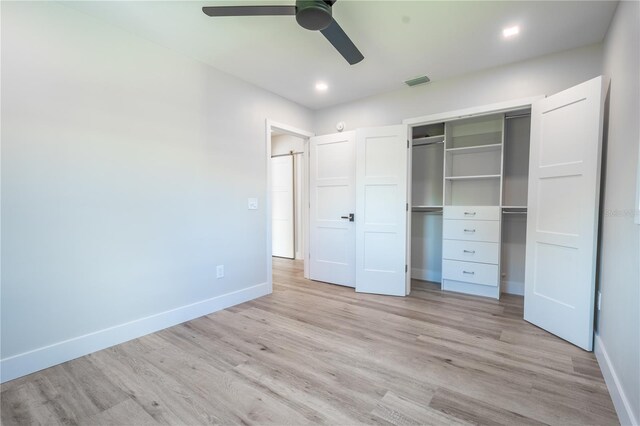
(514, 207)
(475, 149)
(428, 140)
(472, 177)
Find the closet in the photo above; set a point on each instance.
(469, 201)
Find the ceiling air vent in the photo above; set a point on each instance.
(417, 80)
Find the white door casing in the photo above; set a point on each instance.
(331, 198)
(282, 210)
(381, 214)
(564, 182)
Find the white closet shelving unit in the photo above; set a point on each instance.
(469, 202)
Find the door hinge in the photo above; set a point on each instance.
(406, 268)
(407, 143)
(407, 206)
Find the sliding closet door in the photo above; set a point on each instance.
(566, 143)
(332, 199)
(381, 215)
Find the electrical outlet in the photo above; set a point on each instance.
(599, 300)
(219, 271)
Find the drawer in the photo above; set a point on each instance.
(471, 212)
(475, 273)
(471, 251)
(471, 230)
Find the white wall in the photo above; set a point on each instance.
(283, 144)
(126, 170)
(540, 76)
(619, 319)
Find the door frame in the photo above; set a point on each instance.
(270, 126)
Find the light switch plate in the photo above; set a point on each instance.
(219, 271)
(252, 203)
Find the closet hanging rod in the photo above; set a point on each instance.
(517, 116)
(506, 212)
(288, 153)
(424, 210)
(426, 143)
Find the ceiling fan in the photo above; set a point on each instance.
(313, 15)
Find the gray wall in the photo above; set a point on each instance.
(619, 319)
(126, 170)
(540, 76)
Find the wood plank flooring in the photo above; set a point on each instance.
(319, 353)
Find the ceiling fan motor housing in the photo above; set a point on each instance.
(313, 14)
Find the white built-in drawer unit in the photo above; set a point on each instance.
(471, 251)
(471, 212)
(471, 230)
(475, 273)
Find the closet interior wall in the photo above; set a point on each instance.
(426, 202)
(514, 202)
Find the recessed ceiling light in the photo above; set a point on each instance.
(321, 86)
(511, 31)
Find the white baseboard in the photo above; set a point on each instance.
(513, 287)
(48, 356)
(620, 400)
(426, 275)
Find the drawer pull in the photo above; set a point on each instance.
(469, 272)
(469, 251)
(469, 230)
(469, 213)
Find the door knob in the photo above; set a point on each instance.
(351, 217)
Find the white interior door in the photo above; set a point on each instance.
(332, 199)
(282, 210)
(564, 180)
(381, 214)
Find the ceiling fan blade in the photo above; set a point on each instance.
(249, 10)
(343, 44)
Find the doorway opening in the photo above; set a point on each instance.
(287, 195)
(287, 177)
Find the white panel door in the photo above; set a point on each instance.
(381, 214)
(282, 210)
(564, 181)
(332, 199)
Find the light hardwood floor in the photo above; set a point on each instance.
(318, 353)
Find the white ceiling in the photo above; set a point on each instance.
(399, 39)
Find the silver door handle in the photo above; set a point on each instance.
(351, 217)
(469, 230)
(470, 213)
(468, 272)
(469, 251)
